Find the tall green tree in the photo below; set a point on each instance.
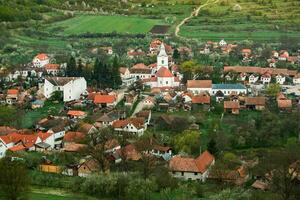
(7, 115)
(116, 78)
(80, 68)
(71, 67)
(14, 180)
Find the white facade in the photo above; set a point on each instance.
(265, 79)
(191, 175)
(222, 43)
(3, 149)
(37, 62)
(200, 90)
(71, 90)
(280, 79)
(253, 78)
(296, 80)
(162, 58)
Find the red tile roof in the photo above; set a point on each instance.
(231, 104)
(139, 66)
(201, 99)
(72, 136)
(184, 164)
(17, 148)
(199, 84)
(284, 103)
(13, 92)
(104, 99)
(259, 101)
(164, 72)
(130, 152)
(260, 70)
(42, 56)
(204, 161)
(44, 136)
(76, 113)
(52, 66)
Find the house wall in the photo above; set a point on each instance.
(280, 80)
(3, 149)
(227, 92)
(162, 61)
(74, 89)
(296, 80)
(199, 90)
(48, 89)
(189, 175)
(40, 63)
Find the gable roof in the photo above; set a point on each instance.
(72, 136)
(201, 99)
(164, 72)
(185, 164)
(259, 101)
(61, 81)
(76, 113)
(12, 92)
(231, 104)
(137, 122)
(284, 103)
(199, 83)
(42, 56)
(100, 98)
(260, 70)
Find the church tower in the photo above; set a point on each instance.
(162, 58)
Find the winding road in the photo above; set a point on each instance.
(193, 14)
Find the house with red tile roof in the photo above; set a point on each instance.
(52, 69)
(76, 114)
(40, 60)
(198, 86)
(73, 137)
(103, 100)
(135, 125)
(192, 168)
(232, 107)
(283, 102)
(12, 96)
(202, 98)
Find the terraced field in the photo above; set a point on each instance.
(265, 20)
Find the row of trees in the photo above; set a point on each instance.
(104, 73)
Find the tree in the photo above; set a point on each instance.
(7, 115)
(188, 141)
(80, 69)
(279, 165)
(96, 147)
(71, 67)
(212, 147)
(273, 89)
(116, 78)
(176, 55)
(14, 179)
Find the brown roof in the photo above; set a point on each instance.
(259, 101)
(110, 144)
(231, 104)
(199, 84)
(143, 113)
(72, 136)
(260, 70)
(201, 99)
(200, 164)
(12, 92)
(138, 122)
(164, 72)
(131, 153)
(99, 98)
(85, 128)
(60, 81)
(284, 103)
(74, 147)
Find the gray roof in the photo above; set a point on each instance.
(61, 81)
(43, 145)
(228, 86)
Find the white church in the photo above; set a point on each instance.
(162, 77)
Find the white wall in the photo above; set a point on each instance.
(199, 90)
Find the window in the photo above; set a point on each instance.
(166, 82)
(69, 97)
(162, 61)
(182, 173)
(196, 173)
(70, 91)
(173, 172)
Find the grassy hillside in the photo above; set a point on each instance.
(106, 24)
(246, 19)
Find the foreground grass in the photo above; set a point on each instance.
(106, 24)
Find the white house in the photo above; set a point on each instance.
(3, 148)
(40, 60)
(228, 89)
(280, 79)
(222, 43)
(149, 102)
(296, 79)
(190, 168)
(199, 86)
(265, 78)
(136, 126)
(140, 71)
(125, 76)
(71, 87)
(253, 78)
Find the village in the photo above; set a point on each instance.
(194, 120)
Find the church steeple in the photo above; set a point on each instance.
(162, 58)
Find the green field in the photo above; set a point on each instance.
(106, 24)
(244, 19)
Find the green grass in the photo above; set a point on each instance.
(106, 24)
(32, 116)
